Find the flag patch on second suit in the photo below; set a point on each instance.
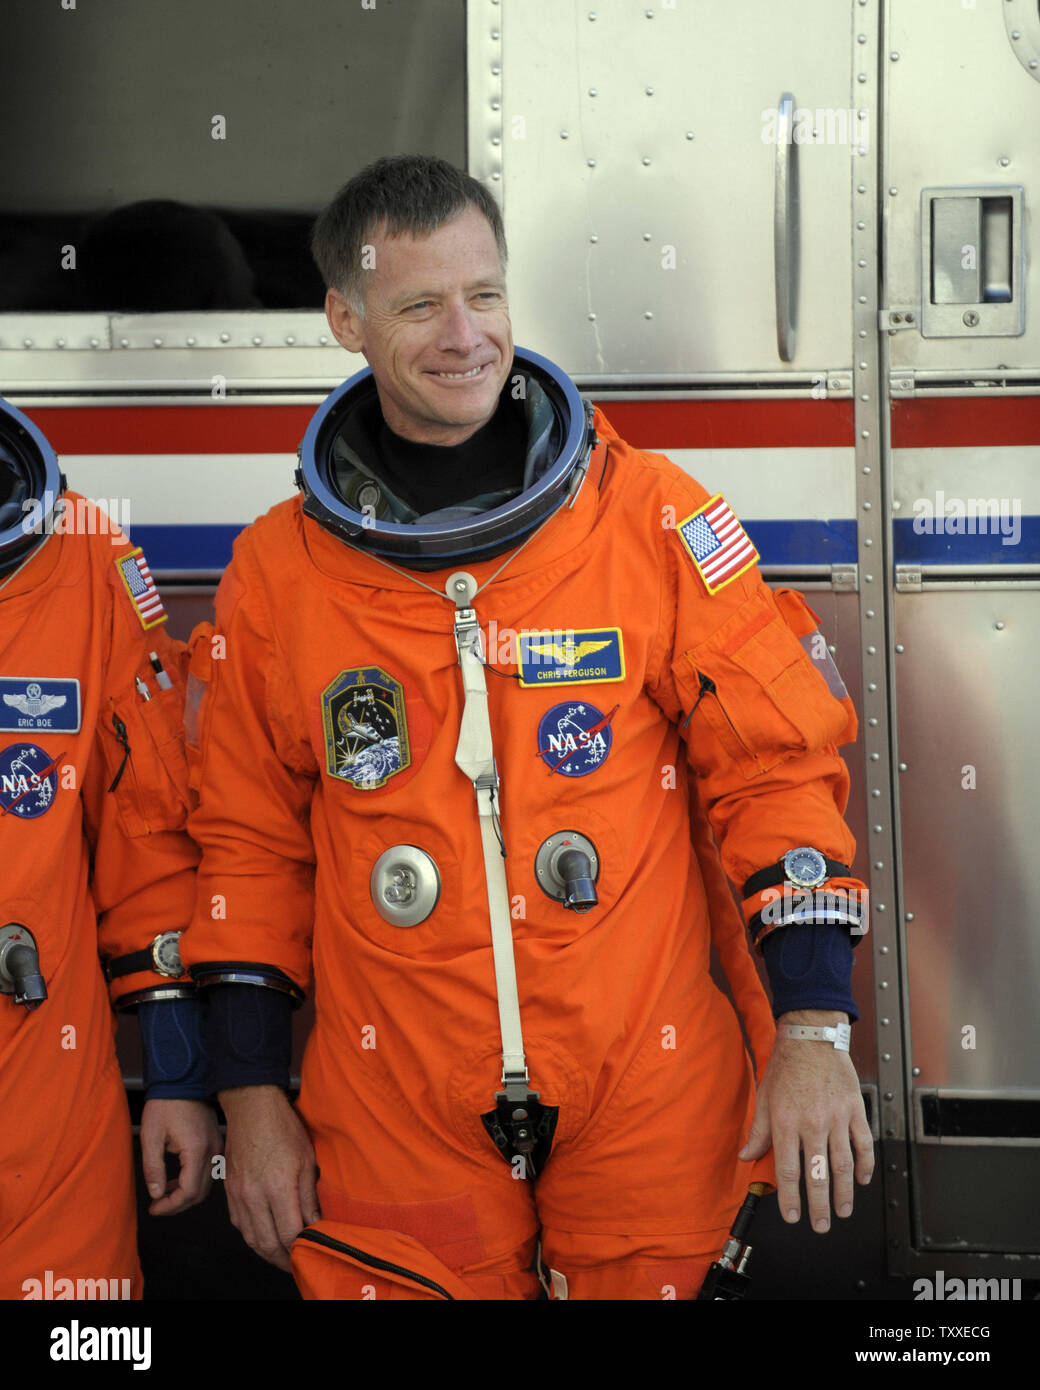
(717, 544)
(135, 574)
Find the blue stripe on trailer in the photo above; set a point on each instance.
(1007, 540)
(185, 547)
(804, 542)
(172, 548)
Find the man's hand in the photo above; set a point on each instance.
(187, 1128)
(271, 1172)
(810, 1101)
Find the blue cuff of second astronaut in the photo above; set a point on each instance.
(810, 967)
(171, 1044)
(248, 1036)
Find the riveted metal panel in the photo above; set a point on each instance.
(639, 203)
(972, 1200)
(970, 800)
(963, 110)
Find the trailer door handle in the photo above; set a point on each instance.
(786, 248)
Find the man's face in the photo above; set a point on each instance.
(436, 332)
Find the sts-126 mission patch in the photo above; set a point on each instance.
(366, 732)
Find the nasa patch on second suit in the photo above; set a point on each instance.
(575, 737)
(585, 656)
(41, 704)
(28, 780)
(366, 727)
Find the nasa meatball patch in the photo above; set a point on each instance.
(575, 737)
(365, 727)
(42, 704)
(28, 781)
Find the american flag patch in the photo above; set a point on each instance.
(140, 585)
(717, 543)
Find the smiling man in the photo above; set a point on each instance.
(501, 871)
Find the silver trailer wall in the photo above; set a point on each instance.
(714, 235)
(960, 179)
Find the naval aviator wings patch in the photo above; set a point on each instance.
(584, 656)
(365, 727)
(718, 545)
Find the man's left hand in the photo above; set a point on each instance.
(810, 1103)
(187, 1128)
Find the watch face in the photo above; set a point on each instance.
(807, 868)
(166, 955)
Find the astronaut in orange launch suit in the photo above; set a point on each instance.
(95, 859)
(465, 740)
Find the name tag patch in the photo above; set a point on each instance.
(589, 656)
(366, 731)
(574, 738)
(42, 703)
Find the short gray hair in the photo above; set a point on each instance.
(409, 194)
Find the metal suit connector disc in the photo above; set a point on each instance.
(567, 867)
(405, 885)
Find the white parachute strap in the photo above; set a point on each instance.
(476, 758)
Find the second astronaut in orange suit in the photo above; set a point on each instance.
(94, 860)
(469, 710)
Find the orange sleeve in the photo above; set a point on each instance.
(135, 794)
(255, 903)
(762, 728)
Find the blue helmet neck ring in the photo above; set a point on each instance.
(442, 543)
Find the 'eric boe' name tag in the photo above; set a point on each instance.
(39, 704)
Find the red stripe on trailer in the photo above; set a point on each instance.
(744, 424)
(173, 429)
(948, 422)
(225, 428)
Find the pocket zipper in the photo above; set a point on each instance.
(320, 1238)
(124, 742)
(707, 687)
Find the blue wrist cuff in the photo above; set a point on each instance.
(171, 1045)
(810, 967)
(248, 1036)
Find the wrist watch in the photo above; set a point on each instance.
(162, 956)
(804, 867)
(840, 1035)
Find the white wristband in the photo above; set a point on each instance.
(840, 1035)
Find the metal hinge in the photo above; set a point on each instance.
(838, 384)
(901, 383)
(908, 579)
(845, 578)
(893, 320)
